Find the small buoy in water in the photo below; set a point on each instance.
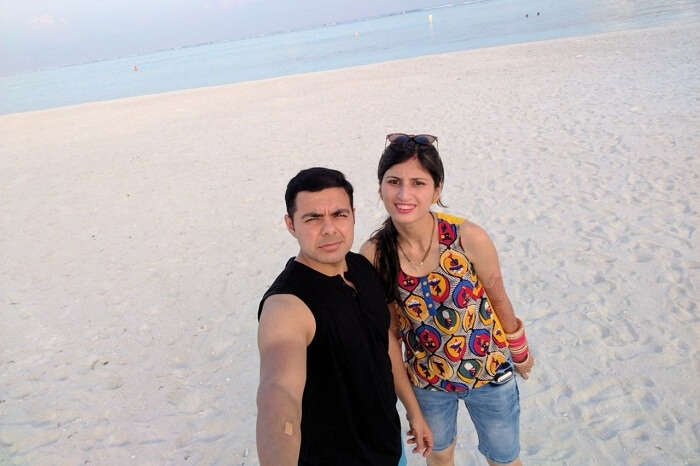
(538, 13)
(136, 68)
(526, 15)
(430, 18)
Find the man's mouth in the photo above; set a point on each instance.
(331, 246)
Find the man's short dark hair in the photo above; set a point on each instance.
(314, 179)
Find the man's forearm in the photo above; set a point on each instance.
(278, 430)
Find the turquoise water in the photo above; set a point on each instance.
(474, 24)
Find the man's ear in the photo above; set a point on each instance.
(290, 225)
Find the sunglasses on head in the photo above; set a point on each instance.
(423, 139)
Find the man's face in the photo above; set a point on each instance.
(323, 224)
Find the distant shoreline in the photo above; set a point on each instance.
(361, 42)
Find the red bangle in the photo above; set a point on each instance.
(520, 355)
(526, 364)
(517, 341)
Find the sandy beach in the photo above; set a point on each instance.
(138, 235)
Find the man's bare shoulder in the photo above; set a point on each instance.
(285, 315)
(283, 301)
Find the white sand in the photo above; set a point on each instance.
(137, 236)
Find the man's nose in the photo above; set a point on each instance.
(328, 226)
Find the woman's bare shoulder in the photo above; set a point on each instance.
(473, 236)
(369, 249)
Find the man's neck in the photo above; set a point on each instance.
(331, 270)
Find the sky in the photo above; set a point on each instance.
(41, 34)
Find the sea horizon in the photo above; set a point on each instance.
(418, 32)
(236, 39)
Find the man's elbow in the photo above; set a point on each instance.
(276, 396)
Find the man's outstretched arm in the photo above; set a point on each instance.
(285, 330)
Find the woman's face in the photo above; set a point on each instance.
(408, 191)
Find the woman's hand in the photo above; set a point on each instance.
(420, 435)
(524, 368)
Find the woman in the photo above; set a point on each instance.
(461, 336)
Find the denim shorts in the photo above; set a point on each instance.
(495, 412)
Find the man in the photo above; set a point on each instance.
(326, 394)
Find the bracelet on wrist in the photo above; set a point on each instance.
(517, 342)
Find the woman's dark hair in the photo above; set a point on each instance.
(386, 257)
(314, 179)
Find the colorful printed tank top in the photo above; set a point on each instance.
(453, 339)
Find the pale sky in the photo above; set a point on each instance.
(39, 34)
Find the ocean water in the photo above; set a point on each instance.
(468, 25)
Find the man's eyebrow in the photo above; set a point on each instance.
(317, 214)
(413, 178)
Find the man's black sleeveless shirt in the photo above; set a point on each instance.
(349, 406)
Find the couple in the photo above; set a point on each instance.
(330, 357)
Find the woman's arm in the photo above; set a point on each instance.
(420, 432)
(482, 254)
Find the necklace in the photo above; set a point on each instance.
(430, 246)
